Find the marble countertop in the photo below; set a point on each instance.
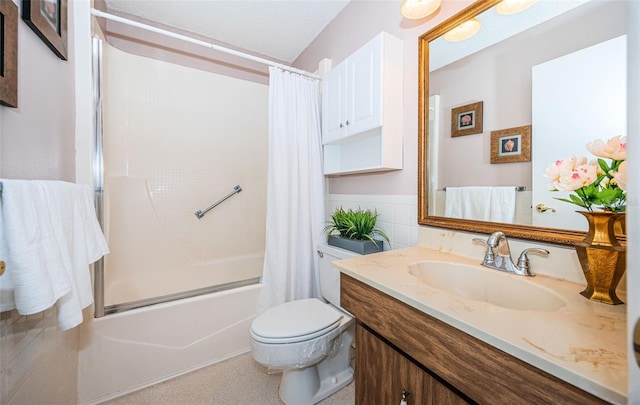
(582, 343)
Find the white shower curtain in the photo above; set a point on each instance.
(295, 187)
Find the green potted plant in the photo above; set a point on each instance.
(355, 230)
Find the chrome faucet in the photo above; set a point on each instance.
(498, 255)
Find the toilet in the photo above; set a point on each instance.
(308, 339)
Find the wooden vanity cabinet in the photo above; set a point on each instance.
(382, 373)
(399, 347)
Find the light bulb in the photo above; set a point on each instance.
(506, 7)
(416, 9)
(463, 31)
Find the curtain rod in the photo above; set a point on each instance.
(185, 38)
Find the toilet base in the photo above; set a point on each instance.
(310, 385)
(304, 386)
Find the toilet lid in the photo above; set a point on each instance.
(295, 320)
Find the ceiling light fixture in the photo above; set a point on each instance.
(506, 7)
(463, 31)
(416, 9)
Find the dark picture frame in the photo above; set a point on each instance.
(8, 53)
(466, 120)
(511, 145)
(48, 19)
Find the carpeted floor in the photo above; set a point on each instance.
(239, 380)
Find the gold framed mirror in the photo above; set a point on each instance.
(427, 217)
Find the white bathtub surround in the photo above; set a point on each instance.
(295, 185)
(397, 214)
(165, 160)
(582, 342)
(125, 352)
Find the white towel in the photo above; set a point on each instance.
(31, 250)
(453, 202)
(503, 204)
(481, 203)
(81, 243)
(67, 240)
(7, 286)
(468, 203)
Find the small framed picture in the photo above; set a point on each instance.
(466, 120)
(511, 145)
(48, 19)
(8, 53)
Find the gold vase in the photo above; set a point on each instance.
(602, 258)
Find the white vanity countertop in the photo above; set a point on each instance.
(583, 343)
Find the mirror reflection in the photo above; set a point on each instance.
(556, 83)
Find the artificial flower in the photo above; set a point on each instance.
(596, 183)
(620, 177)
(615, 148)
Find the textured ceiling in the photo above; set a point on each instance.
(279, 29)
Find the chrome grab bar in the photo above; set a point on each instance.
(200, 213)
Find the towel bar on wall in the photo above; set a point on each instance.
(518, 188)
(200, 213)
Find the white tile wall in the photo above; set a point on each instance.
(397, 214)
(39, 363)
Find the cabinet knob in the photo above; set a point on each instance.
(341, 125)
(1, 267)
(405, 394)
(347, 122)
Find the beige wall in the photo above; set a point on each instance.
(359, 22)
(37, 141)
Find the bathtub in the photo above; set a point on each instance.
(127, 351)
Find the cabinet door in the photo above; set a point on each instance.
(382, 373)
(364, 88)
(334, 104)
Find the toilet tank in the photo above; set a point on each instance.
(329, 275)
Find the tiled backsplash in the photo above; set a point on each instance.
(39, 362)
(397, 214)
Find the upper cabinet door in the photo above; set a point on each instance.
(360, 95)
(364, 91)
(334, 100)
(352, 94)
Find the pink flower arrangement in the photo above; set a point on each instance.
(597, 183)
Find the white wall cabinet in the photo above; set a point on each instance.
(362, 109)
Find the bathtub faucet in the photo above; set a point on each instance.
(498, 255)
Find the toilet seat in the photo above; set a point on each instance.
(295, 321)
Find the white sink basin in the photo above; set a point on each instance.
(487, 285)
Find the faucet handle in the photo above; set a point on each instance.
(489, 256)
(524, 265)
(478, 241)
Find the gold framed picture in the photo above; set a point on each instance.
(48, 19)
(466, 120)
(511, 145)
(8, 53)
